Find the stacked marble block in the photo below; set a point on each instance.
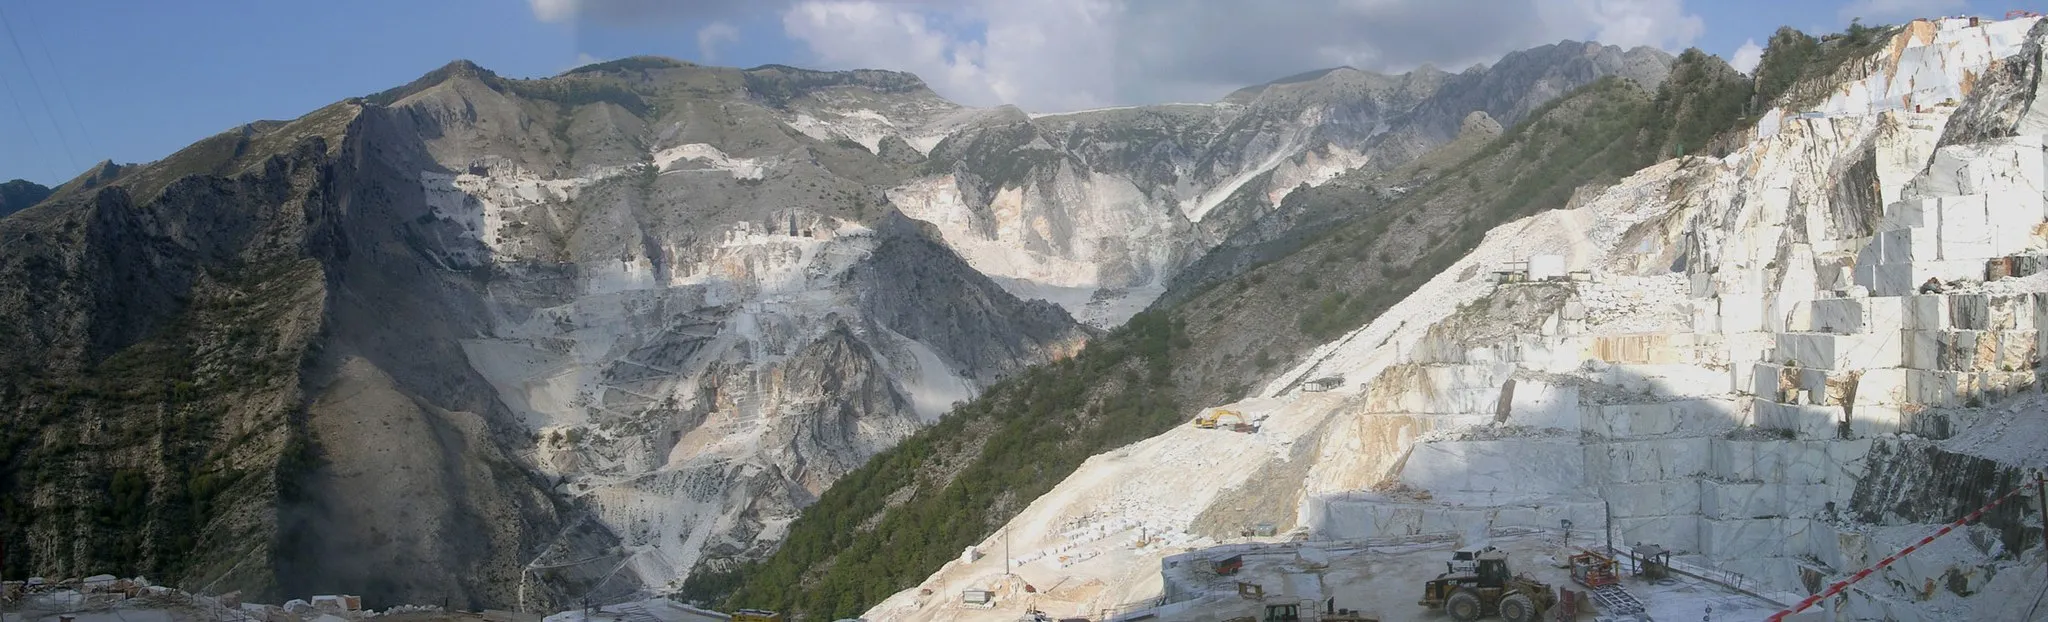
(1813, 384)
(1446, 383)
(1648, 466)
(1742, 320)
(1870, 364)
(1764, 504)
(1986, 204)
(1672, 474)
(1864, 366)
(1971, 349)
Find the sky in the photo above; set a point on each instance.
(88, 80)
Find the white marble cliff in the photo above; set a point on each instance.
(1747, 373)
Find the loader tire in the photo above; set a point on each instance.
(1463, 606)
(1517, 607)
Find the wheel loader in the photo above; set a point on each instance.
(1488, 588)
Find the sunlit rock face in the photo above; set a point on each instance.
(1745, 370)
(1098, 210)
(703, 340)
(519, 341)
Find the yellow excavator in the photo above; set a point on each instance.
(1210, 419)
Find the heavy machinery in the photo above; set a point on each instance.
(1290, 612)
(1332, 613)
(1602, 576)
(1488, 588)
(1465, 560)
(1652, 561)
(1228, 565)
(1594, 570)
(1208, 420)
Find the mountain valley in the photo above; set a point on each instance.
(828, 343)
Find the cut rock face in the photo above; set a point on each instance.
(626, 321)
(697, 397)
(1765, 408)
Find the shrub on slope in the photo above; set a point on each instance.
(891, 523)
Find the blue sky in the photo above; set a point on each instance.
(131, 81)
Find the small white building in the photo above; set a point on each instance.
(1544, 267)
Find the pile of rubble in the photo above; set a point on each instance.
(108, 596)
(1619, 304)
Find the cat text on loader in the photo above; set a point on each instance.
(1486, 587)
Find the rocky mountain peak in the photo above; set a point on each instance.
(1645, 65)
(779, 84)
(1333, 79)
(878, 79)
(689, 296)
(1480, 123)
(101, 174)
(465, 68)
(17, 195)
(457, 70)
(632, 63)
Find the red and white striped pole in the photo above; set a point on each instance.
(1838, 586)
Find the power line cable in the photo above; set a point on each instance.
(29, 129)
(63, 90)
(38, 86)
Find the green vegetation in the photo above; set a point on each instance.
(889, 523)
(146, 443)
(892, 522)
(233, 151)
(575, 91)
(1702, 98)
(777, 85)
(1596, 134)
(589, 84)
(993, 155)
(19, 194)
(1791, 57)
(628, 64)
(1787, 56)
(1585, 137)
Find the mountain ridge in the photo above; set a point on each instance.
(621, 323)
(20, 194)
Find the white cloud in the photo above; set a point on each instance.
(1655, 23)
(713, 35)
(1886, 11)
(1747, 57)
(1051, 55)
(1047, 55)
(553, 11)
(890, 36)
(653, 12)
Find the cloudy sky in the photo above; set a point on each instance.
(87, 80)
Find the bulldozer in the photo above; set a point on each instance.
(1487, 587)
